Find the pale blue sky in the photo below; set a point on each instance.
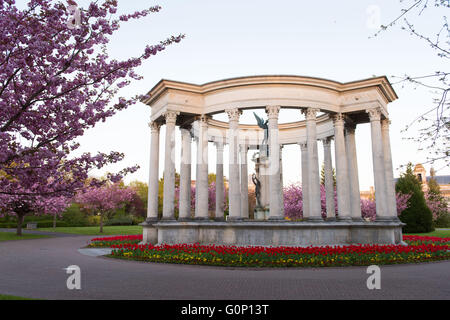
(327, 39)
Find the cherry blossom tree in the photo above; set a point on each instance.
(104, 200)
(293, 203)
(57, 81)
(21, 206)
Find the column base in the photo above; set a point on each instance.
(185, 219)
(234, 218)
(150, 221)
(344, 219)
(276, 219)
(358, 219)
(201, 219)
(387, 219)
(330, 219)
(314, 219)
(168, 219)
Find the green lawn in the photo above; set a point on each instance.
(6, 297)
(437, 233)
(6, 236)
(94, 231)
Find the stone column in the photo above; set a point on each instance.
(274, 165)
(185, 175)
(342, 181)
(281, 181)
(169, 167)
(153, 180)
(305, 188)
(390, 184)
(378, 164)
(234, 191)
(315, 209)
(219, 182)
(244, 181)
(201, 183)
(352, 162)
(329, 183)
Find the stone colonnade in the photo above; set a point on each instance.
(347, 185)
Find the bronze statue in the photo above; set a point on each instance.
(257, 184)
(263, 125)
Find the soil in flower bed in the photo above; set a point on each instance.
(419, 249)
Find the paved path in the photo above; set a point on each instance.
(35, 269)
(44, 233)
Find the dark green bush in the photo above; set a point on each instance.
(443, 221)
(417, 216)
(119, 221)
(74, 217)
(49, 224)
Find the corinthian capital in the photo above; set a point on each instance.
(203, 119)
(233, 114)
(171, 116)
(374, 114)
(310, 113)
(273, 111)
(327, 141)
(154, 126)
(339, 119)
(385, 123)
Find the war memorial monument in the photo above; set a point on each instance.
(332, 111)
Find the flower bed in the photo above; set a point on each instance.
(108, 242)
(420, 249)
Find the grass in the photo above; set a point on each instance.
(437, 233)
(94, 231)
(7, 236)
(7, 297)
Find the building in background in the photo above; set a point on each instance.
(420, 172)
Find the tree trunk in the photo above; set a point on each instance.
(19, 224)
(54, 221)
(101, 223)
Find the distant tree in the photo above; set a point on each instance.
(417, 216)
(104, 200)
(140, 204)
(21, 206)
(437, 203)
(434, 133)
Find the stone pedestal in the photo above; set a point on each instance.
(261, 214)
(280, 233)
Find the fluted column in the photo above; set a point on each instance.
(201, 184)
(305, 188)
(274, 165)
(342, 181)
(244, 181)
(153, 179)
(169, 167)
(378, 164)
(219, 182)
(313, 166)
(185, 175)
(390, 184)
(234, 191)
(355, 195)
(329, 183)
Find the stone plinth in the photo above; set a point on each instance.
(275, 233)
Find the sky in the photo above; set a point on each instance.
(224, 39)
